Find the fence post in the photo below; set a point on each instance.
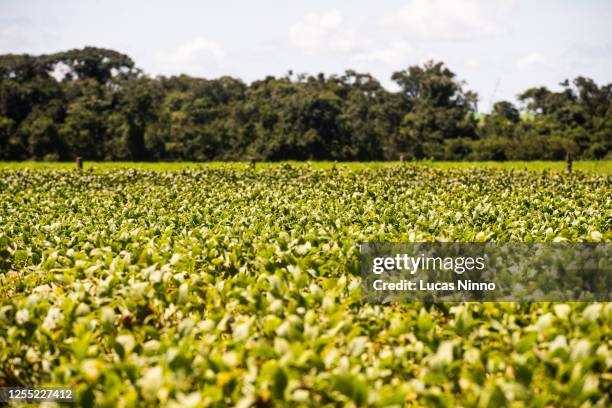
(568, 162)
(401, 158)
(79, 163)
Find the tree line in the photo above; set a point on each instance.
(95, 103)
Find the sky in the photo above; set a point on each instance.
(498, 47)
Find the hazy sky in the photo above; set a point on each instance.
(499, 47)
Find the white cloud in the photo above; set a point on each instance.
(473, 63)
(199, 56)
(583, 57)
(364, 45)
(531, 61)
(19, 35)
(323, 32)
(12, 35)
(395, 54)
(591, 50)
(396, 39)
(445, 19)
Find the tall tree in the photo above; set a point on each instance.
(439, 107)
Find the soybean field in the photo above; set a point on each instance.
(239, 286)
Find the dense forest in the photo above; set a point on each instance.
(95, 103)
